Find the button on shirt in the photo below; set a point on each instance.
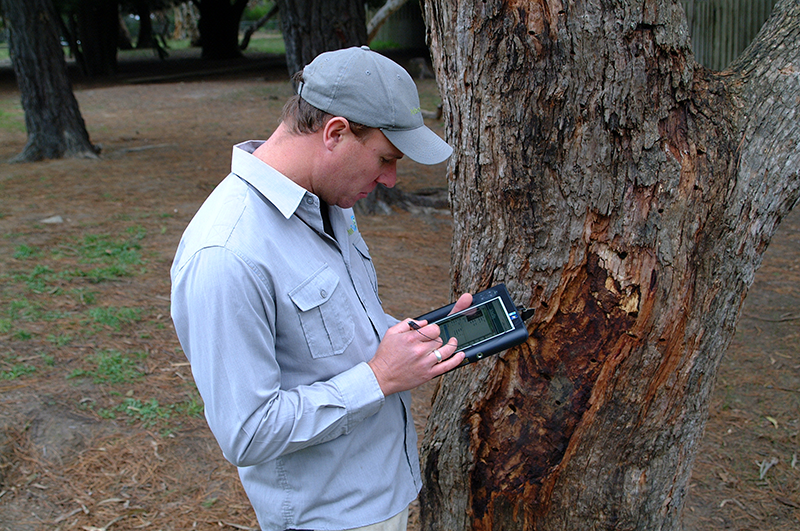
(278, 320)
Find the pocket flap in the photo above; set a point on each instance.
(315, 290)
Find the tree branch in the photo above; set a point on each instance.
(381, 16)
(263, 20)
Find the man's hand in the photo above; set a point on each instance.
(407, 356)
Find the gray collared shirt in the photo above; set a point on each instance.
(278, 320)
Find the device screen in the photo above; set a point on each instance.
(476, 324)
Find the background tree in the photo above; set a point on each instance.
(52, 117)
(627, 194)
(311, 27)
(186, 18)
(219, 27)
(92, 30)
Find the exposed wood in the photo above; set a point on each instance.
(628, 195)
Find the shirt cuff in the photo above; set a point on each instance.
(361, 393)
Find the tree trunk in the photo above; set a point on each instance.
(628, 195)
(311, 27)
(186, 18)
(145, 38)
(98, 33)
(52, 117)
(219, 28)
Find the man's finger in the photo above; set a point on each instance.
(463, 302)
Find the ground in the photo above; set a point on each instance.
(100, 424)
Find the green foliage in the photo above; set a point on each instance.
(254, 11)
(101, 248)
(384, 45)
(37, 279)
(267, 43)
(24, 252)
(84, 296)
(150, 413)
(11, 120)
(12, 368)
(23, 309)
(113, 317)
(147, 413)
(59, 340)
(113, 258)
(111, 366)
(22, 335)
(16, 371)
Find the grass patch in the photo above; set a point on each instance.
(267, 42)
(12, 368)
(112, 317)
(59, 340)
(25, 252)
(111, 366)
(101, 248)
(150, 413)
(22, 309)
(38, 279)
(12, 120)
(20, 369)
(113, 258)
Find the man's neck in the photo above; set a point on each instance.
(291, 154)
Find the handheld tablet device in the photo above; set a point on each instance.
(491, 325)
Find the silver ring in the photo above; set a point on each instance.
(438, 355)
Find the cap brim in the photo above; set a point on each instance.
(420, 145)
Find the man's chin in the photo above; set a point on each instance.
(350, 202)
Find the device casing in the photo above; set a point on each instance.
(511, 338)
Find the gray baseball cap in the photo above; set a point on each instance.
(370, 89)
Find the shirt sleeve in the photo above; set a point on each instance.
(224, 316)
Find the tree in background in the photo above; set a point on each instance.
(627, 194)
(92, 31)
(311, 27)
(52, 117)
(219, 27)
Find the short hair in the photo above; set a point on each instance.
(302, 118)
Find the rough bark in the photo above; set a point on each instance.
(311, 27)
(52, 117)
(628, 195)
(219, 28)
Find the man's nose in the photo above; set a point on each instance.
(389, 177)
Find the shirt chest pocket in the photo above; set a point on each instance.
(322, 308)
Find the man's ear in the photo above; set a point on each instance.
(334, 131)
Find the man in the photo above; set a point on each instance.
(275, 301)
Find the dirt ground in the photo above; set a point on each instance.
(100, 424)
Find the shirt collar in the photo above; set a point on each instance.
(281, 191)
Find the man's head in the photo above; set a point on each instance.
(371, 90)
